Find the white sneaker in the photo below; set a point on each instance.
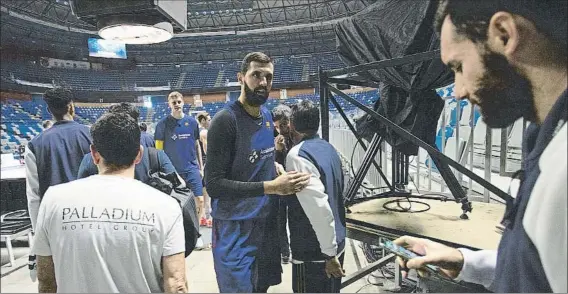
(199, 243)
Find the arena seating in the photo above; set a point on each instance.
(21, 120)
(189, 76)
(152, 77)
(28, 71)
(89, 79)
(18, 126)
(200, 76)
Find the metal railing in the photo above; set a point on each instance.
(495, 158)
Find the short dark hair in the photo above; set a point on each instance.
(256, 57)
(202, 116)
(143, 127)
(471, 18)
(125, 108)
(58, 100)
(116, 137)
(305, 117)
(281, 112)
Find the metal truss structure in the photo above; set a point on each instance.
(400, 163)
(217, 29)
(368, 233)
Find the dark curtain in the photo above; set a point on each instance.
(389, 29)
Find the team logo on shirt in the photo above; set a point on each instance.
(186, 124)
(181, 136)
(253, 157)
(268, 125)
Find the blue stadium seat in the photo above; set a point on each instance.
(195, 76)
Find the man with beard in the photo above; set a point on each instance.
(282, 144)
(510, 59)
(241, 178)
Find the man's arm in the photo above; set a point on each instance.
(87, 167)
(41, 247)
(173, 257)
(203, 139)
(222, 134)
(46, 275)
(281, 150)
(478, 267)
(174, 273)
(315, 203)
(32, 186)
(196, 135)
(461, 264)
(159, 135)
(151, 139)
(199, 156)
(167, 167)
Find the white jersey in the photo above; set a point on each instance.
(108, 234)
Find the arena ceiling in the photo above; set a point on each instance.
(217, 29)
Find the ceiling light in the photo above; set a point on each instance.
(138, 33)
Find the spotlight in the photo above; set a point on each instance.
(138, 33)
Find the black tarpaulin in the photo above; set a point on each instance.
(390, 29)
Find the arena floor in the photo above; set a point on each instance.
(199, 267)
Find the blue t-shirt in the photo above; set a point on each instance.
(179, 137)
(88, 167)
(240, 154)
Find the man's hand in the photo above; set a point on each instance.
(333, 268)
(448, 259)
(287, 184)
(201, 173)
(32, 266)
(279, 169)
(280, 143)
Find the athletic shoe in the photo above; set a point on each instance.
(201, 246)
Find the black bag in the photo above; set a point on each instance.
(171, 185)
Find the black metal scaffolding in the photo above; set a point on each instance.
(400, 162)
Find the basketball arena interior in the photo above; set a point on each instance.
(417, 161)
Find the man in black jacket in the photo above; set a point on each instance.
(282, 144)
(53, 157)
